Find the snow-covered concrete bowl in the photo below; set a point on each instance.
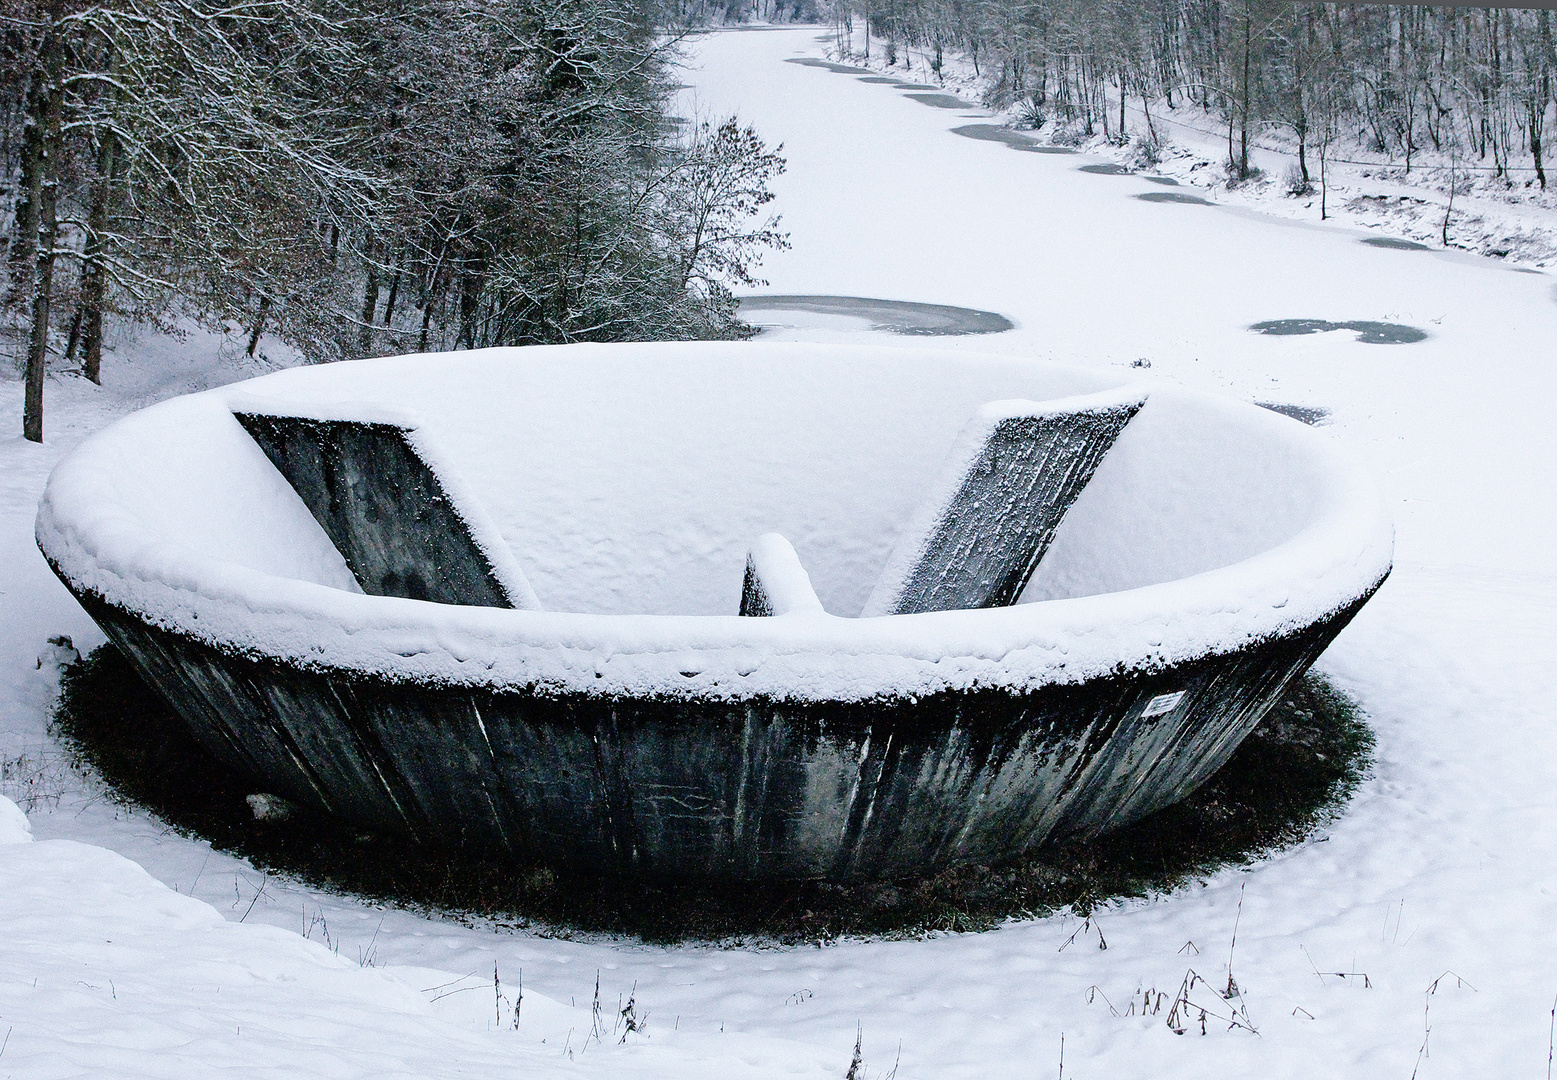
(619, 715)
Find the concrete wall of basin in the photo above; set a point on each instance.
(718, 788)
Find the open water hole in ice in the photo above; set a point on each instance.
(939, 101)
(1014, 139)
(1395, 243)
(1173, 197)
(1368, 331)
(893, 316)
(841, 69)
(1109, 169)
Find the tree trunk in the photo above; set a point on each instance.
(1121, 105)
(369, 309)
(74, 340)
(1324, 187)
(1537, 119)
(1449, 209)
(394, 291)
(421, 342)
(1243, 132)
(93, 279)
(43, 138)
(259, 324)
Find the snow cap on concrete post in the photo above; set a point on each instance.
(776, 583)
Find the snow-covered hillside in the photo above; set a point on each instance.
(1434, 896)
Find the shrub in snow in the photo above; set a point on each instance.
(1176, 564)
(1294, 183)
(1145, 152)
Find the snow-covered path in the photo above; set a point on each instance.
(1445, 863)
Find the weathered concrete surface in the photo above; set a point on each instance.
(382, 507)
(744, 788)
(989, 522)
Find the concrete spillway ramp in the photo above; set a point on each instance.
(387, 512)
(979, 536)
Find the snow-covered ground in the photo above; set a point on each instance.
(1435, 894)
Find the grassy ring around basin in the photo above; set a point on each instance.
(1285, 783)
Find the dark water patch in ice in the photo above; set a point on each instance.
(1043, 148)
(894, 316)
(1311, 415)
(842, 69)
(1173, 197)
(879, 79)
(914, 86)
(1165, 181)
(1368, 331)
(1105, 170)
(1289, 779)
(939, 101)
(994, 133)
(1395, 243)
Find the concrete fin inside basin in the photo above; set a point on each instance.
(776, 583)
(400, 530)
(1017, 468)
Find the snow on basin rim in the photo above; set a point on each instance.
(1211, 524)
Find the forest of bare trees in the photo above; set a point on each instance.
(378, 177)
(396, 175)
(1470, 84)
